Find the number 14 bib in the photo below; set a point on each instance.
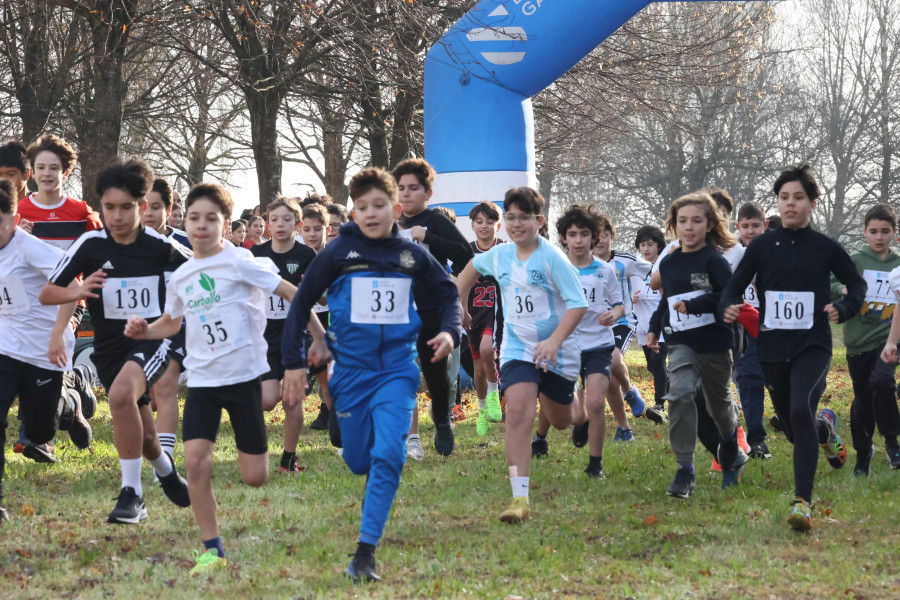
(380, 300)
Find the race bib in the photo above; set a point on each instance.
(680, 322)
(13, 299)
(789, 310)
(214, 333)
(526, 303)
(879, 287)
(380, 300)
(277, 307)
(126, 296)
(750, 296)
(589, 287)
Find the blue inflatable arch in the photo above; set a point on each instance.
(479, 80)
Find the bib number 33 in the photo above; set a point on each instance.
(380, 300)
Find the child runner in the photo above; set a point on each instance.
(456, 412)
(164, 393)
(650, 241)
(256, 227)
(221, 293)
(748, 373)
(292, 259)
(238, 232)
(126, 263)
(442, 239)
(314, 230)
(626, 266)
(485, 309)
(337, 216)
(579, 228)
(693, 277)
(29, 332)
(792, 267)
(372, 277)
(543, 303)
(865, 333)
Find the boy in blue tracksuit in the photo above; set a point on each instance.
(372, 276)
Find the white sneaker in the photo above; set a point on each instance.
(414, 448)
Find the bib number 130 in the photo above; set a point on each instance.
(380, 300)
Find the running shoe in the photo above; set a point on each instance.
(623, 435)
(683, 484)
(22, 440)
(41, 453)
(800, 518)
(775, 423)
(443, 439)
(414, 448)
(4, 516)
(863, 466)
(492, 407)
(539, 447)
(834, 448)
(174, 486)
(518, 512)
(893, 453)
(595, 473)
(728, 453)
(79, 429)
(320, 423)
(482, 426)
(742, 439)
(129, 508)
(657, 414)
(362, 568)
(83, 381)
(458, 413)
(635, 402)
(760, 450)
(206, 562)
(292, 466)
(733, 477)
(580, 434)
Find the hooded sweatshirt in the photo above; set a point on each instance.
(868, 329)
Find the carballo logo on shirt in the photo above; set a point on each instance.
(208, 284)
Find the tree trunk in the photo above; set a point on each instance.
(263, 108)
(335, 161)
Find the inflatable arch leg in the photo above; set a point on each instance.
(479, 78)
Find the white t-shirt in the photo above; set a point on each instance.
(894, 281)
(222, 299)
(602, 292)
(647, 302)
(25, 324)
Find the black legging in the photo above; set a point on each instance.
(874, 399)
(436, 376)
(795, 388)
(656, 364)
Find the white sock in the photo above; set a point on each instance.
(482, 403)
(412, 436)
(493, 387)
(162, 464)
(519, 487)
(131, 474)
(167, 441)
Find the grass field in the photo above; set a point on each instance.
(618, 538)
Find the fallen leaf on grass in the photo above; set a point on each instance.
(705, 572)
(651, 520)
(27, 509)
(291, 549)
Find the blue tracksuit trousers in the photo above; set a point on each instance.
(374, 411)
(748, 376)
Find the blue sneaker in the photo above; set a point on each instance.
(635, 402)
(623, 435)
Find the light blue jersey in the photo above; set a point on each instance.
(628, 266)
(536, 294)
(603, 292)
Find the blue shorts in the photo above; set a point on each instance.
(598, 360)
(623, 335)
(554, 386)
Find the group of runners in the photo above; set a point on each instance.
(369, 305)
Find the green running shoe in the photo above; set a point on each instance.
(208, 561)
(482, 426)
(492, 407)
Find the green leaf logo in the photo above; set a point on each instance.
(207, 282)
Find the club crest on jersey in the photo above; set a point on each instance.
(535, 277)
(292, 268)
(406, 259)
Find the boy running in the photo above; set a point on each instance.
(127, 264)
(865, 334)
(372, 277)
(292, 259)
(543, 303)
(221, 293)
(485, 309)
(793, 267)
(649, 242)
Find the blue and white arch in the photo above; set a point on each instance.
(479, 80)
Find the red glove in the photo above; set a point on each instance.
(749, 319)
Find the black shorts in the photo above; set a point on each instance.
(178, 348)
(623, 335)
(475, 336)
(151, 355)
(554, 386)
(40, 394)
(242, 401)
(276, 369)
(598, 360)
